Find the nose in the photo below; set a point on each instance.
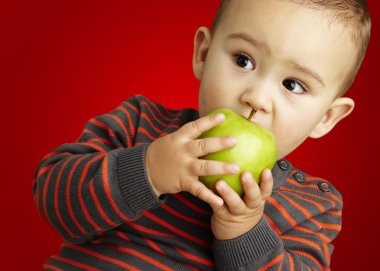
(258, 98)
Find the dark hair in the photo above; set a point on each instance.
(352, 13)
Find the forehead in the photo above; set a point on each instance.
(293, 32)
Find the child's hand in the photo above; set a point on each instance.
(239, 215)
(173, 165)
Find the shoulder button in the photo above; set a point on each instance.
(299, 177)
(325, 187)
(283, 164)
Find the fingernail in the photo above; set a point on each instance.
(221, 185)
(234, 168)
(219, 117)
(219, 202)
(247, 176)
(232, 140)
(268, 173)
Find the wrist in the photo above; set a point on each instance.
(250, 247)
(228, 232)
(148, 164)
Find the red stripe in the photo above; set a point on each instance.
(336, 213)
(335, 197)
(272, 262)
(309, 194)
(80, 184)
(56, 197)
(281, 264)
(122, 126)
(273, 225)
(149, 231)
(68, 199)
(99, 124)
(191, 267)
(145, 116)
(302, 253)
(154, 246)
(191, 220)
(99, 139)
(326, 253)
(134, 108)
(37, 197)
(295, 194)
(52, 154)
(44, 192)
(166, 109)
(94, 146)
(303, 241)
(102, 257)
(282, 211)
(48, 266)
(122, 235)
(107, 190)
(191, 205)
(141, 256)
(154, 115)
(128, 115)
(318, 234)
(194, 257)
(75, 263)
(145, 132)
(103, 126)
(291, 262)
(296, 205)
(43, 170)
(316, 187)
(176, 230)
(329, 226)
(98, 205)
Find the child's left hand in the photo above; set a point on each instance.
(238, 215)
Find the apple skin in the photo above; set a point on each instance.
(256, 149)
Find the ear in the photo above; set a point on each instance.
(338, 110)
(202, 40)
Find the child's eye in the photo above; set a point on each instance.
(244, 61)
(293, 86)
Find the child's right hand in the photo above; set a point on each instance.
(173, 163)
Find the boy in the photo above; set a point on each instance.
(126, 195)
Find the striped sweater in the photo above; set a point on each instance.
(95, 193)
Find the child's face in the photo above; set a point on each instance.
(287, 61)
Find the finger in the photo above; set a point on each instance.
(231, 199)
(205, 146)
(195, 128)
(266, 184)
(199, 190)
(252, 193)
(209, 167)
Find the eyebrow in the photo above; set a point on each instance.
(243, 36)
(296, 66)
(307, 71)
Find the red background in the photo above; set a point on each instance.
(63, 62)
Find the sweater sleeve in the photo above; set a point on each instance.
(295, 234)
(99, 182)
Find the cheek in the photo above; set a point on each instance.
(213, 95)
(291, 133)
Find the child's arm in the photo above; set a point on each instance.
(100, 182)
(291, 236)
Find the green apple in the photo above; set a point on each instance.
(256, 148)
